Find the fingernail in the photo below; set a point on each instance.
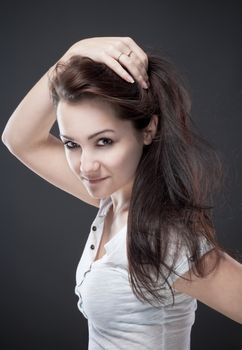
(130, 79)
(144, 85)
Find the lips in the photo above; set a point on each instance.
(95, 180)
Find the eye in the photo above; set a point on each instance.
(68, 146)
(72, 145)
(106, 139)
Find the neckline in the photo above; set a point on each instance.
(116, 234)
(105, 204)
(109, 243)
(103, 212)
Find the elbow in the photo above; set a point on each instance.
(7, 143)
(4, 138)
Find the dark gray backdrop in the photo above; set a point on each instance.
(43, 229)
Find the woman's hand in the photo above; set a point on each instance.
(116, 53)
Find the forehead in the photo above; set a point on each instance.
(86, 111)
(82, 119)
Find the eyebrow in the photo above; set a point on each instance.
(89, 137)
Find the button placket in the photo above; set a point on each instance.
(90, 258)
(98, 223)
(94, 228)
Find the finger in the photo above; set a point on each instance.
(137, 50)
(138, 64)
(126, 57)
(135, 68)
(131, 49)
(132, 63)
(117, 68)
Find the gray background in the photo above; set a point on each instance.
(43, 229)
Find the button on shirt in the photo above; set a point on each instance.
(117, 320)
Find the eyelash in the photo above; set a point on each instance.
(73, 147)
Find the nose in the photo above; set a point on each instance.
(88, 164)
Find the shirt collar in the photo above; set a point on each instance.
(105, 203)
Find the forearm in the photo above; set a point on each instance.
(33, 118)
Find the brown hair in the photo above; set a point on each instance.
(176, 178)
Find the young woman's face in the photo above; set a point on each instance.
(113, 155)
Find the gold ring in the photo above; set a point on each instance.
(119, 56)
(123, 54)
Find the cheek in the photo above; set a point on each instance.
(124, 159)
(73, 161)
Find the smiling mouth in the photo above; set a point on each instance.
(95, 181)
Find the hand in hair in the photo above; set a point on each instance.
(121, 54)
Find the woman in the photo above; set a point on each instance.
(131, 151)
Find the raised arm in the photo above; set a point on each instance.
(27, 132)
(221, 289)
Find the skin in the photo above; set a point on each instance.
(117, 161)
(221, 289)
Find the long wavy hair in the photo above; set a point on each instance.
(178, 174)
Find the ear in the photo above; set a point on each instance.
(150, 131)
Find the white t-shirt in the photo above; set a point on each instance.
(117, 320)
